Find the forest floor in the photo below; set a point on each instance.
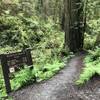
(62, 86)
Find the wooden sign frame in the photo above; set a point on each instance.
(14, 60)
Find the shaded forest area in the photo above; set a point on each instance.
(53, 29)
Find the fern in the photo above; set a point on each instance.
(92, 63)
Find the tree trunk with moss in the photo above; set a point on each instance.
(74, 24)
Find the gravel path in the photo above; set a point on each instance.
(62, 86)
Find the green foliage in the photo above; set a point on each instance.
(89, 41)
(93, 23)
(48, 70)
(27, 76)
(26, 31)
(9, 30)
(93, 31)
(93, 8)
(92, 63)
(94, 26)
(46, 41)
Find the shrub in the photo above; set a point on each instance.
(46, 41)
(91, 36)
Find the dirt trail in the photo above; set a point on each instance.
(62, 86)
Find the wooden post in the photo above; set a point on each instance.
(6, 73)
(29, 57)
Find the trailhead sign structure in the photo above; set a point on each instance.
(14, 60)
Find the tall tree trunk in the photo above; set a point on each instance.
(74, 25)
(63, 17)
(45, 8)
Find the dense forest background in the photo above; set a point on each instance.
(41, 26)
(42, 11)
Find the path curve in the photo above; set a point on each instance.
(60, 87)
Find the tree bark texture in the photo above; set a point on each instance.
(74, 24)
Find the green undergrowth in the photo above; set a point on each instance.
(92, 34)
(28, 76)
(44, 67)
(43, 37)
(92, 44)
(92, 66)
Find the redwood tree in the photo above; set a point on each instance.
(74, 24)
